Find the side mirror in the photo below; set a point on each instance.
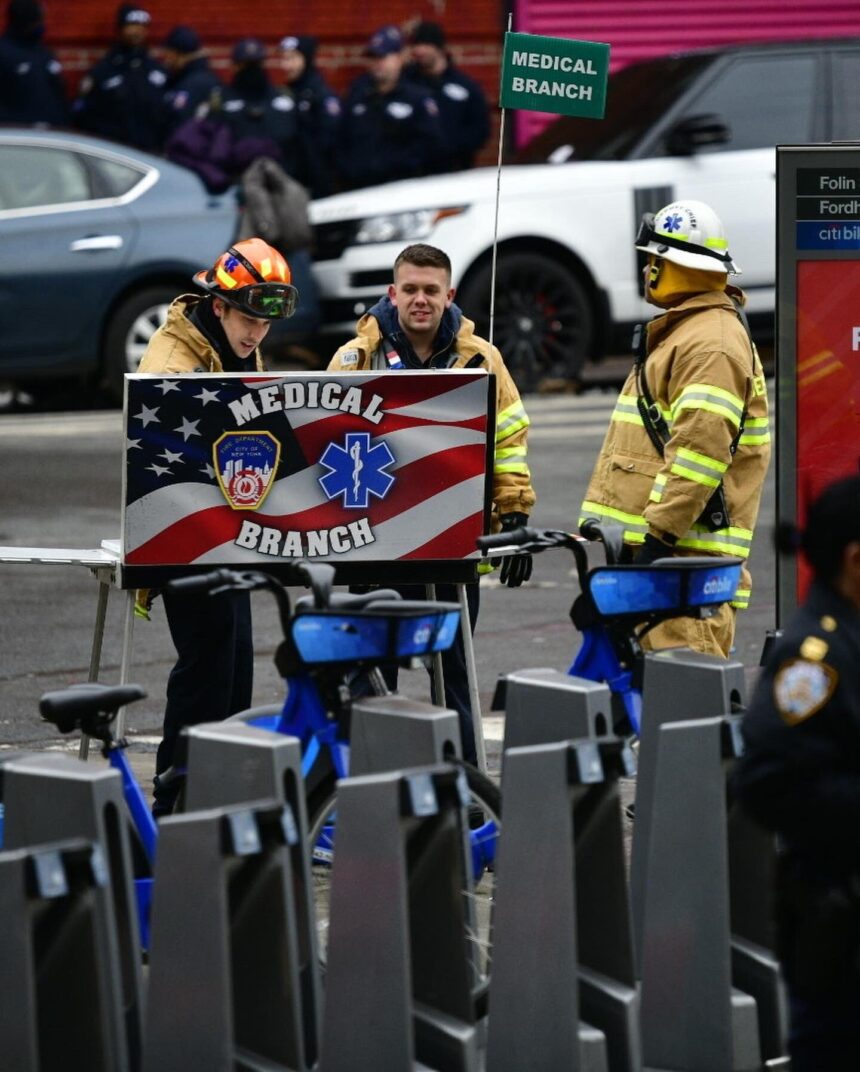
(695, 132)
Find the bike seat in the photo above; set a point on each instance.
(69, 709)
(347, 600)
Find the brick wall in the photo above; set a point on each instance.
(80, 30)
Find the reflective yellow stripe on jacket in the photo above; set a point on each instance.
(635, 525)
(756, 432)
(712, 399)
(701, 469)
(511, 420)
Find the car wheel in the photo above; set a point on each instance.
(544, 325)
(132, 325)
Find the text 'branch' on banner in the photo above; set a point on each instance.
(554, 74)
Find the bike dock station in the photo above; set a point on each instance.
(50, 797)
(563, 969)
(232, 980)
(401, 843)
(59, 954)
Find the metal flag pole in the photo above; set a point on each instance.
(496, 219)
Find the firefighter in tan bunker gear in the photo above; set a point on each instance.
(684, 460)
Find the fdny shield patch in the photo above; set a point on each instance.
(245, 464)
(801, 688)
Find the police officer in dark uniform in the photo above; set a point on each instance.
(800, 777)
(255, 109)
(463, 113)
(190, 79)
(120, 97)
(318, 111)
(390, 127)
(31, 84)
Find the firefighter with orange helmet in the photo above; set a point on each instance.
(247, 289)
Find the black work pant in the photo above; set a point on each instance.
(214, 671)
(453, 663)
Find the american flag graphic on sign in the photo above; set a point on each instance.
(248, 471)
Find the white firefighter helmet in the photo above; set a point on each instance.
(689, 233)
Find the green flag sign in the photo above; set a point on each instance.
(554, 74)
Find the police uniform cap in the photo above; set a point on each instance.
(132, 15)
(298, 43)
(182, 39)
(832, 522)
(249, 50)
(384, 42)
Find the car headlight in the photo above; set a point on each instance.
(402, 226)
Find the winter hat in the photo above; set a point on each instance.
(428, 33)
(23, 14)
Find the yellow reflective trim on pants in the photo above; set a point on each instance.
(511, 452)
(741, 599)
(511, 467)
(690, 474)
(723, 547)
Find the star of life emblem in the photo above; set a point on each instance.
(245, 465)
(356, 470)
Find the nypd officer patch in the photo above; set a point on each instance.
(802, 687)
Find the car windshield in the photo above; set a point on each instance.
(636, 97)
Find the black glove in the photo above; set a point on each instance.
(651, 549)
(515, 568)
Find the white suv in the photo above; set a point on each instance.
(697, 125)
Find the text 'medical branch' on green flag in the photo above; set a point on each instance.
(554, 74)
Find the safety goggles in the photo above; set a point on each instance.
(647, 234)
(269, 301)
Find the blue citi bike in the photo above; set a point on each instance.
(620, 602)
(328, 637)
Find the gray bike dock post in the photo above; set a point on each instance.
(755, 968)
(393, 733)
(544, 705)
(60, 991)
(678, 684)
(692, 1017)
(563, 987)
(398, 981)
(229, 967)
(50, 797)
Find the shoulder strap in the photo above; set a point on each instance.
(652, 419)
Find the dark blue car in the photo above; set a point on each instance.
(96, 240)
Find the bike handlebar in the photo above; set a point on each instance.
(318, 576)
(534, 541)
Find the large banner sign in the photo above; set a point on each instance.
(383, 475)
(818, 335)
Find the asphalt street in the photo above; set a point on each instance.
(60, 485)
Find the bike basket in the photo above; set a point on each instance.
(382, 632)
(680, 584)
